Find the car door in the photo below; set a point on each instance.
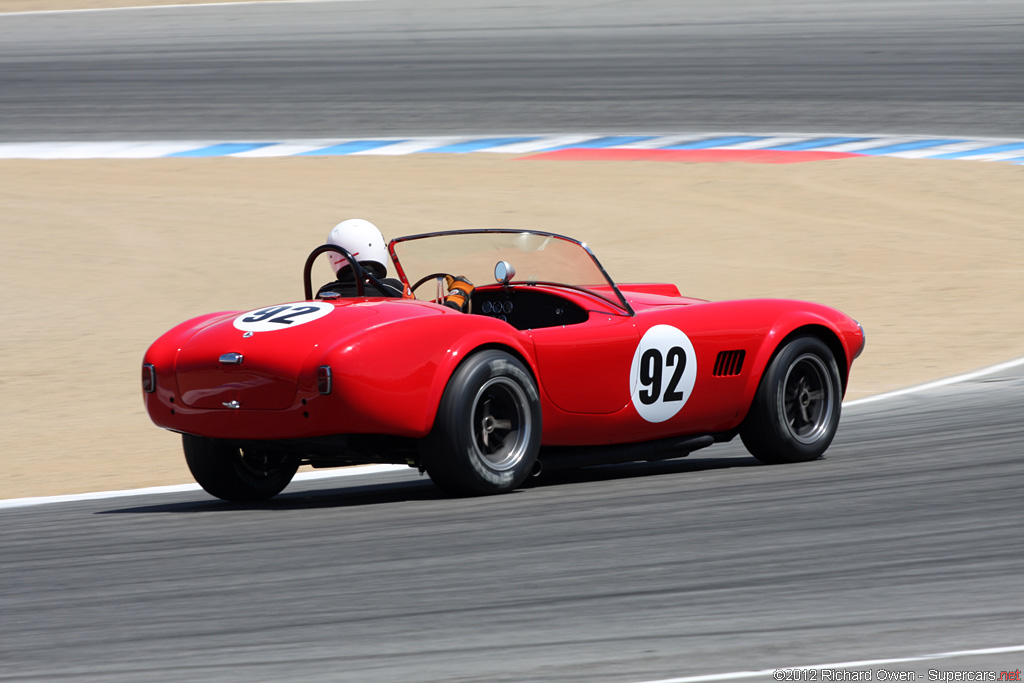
(585, 368)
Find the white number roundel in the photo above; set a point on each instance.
(663, 373)
(282, 317)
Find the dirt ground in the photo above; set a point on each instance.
(102, 256)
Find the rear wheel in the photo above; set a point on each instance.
(233, 474)
(488, 427)
(796, 409)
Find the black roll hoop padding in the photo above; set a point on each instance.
(360, 273)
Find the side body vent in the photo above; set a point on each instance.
(729, 363)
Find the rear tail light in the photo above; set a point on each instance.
(148, 378)
(323, 379)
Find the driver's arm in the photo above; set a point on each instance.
(459, 291)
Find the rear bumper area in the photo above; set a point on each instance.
(310, 416)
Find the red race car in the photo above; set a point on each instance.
(554, 366)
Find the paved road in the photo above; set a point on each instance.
(407, 67)
(905, 540)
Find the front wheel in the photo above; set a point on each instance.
(231, 473)
(488, 427)
(795, 411)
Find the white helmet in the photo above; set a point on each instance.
(363, 240)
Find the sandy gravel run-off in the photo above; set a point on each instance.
(103, 256)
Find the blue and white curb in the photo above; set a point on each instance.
(903, 147)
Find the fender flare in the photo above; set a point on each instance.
(787, 327)
(440, 343)
(465, 346)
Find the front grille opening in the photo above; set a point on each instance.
(729, 363)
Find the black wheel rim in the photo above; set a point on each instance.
(806, 399)
(501, 424)
(259, 465)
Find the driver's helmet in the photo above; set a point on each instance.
(364, 241)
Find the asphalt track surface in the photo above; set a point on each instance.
(905, 540)
(414, 67)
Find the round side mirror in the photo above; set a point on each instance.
(504, 272)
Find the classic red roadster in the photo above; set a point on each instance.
(554, 366)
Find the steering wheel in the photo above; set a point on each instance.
(427, 278)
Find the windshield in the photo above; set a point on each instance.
(538, 258)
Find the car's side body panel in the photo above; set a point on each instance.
(578, 365)
(732, 343)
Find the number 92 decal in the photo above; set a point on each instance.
(282, 317)
(663, 373)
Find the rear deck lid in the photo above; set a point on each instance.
(256, 358)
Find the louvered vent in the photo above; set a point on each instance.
(729, 363)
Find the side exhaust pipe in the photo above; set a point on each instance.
(569, 457)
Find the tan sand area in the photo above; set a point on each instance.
(102, 256)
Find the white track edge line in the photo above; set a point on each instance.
(180, 488)
(966, 377)
(842, 665)
(134, 8)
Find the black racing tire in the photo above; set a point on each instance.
(487, 432)
(229, 473)
(796, 409)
